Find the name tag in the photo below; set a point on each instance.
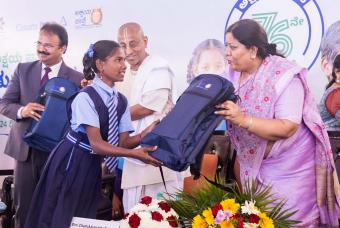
(90, 223)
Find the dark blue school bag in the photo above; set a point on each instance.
(181, 136)
(46, 133)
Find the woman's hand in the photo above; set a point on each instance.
(143, 155)
(231, 112)
(269, 129)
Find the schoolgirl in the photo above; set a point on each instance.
(71, 181)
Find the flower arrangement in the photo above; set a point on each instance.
(225, 205)
(149, 213)
(229, 213)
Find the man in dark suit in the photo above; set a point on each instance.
(18, 104)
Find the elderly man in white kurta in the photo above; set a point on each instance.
(149, 86)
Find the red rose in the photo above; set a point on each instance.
(164, 206)
(146, 200)
(134, 221)
(172, 221)
(235, 216)
(216, 208)
(254, 218)
(156, 216)
(240, 224)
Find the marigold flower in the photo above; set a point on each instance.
(230, 205)
(265, 221)
(199, 222)
(226, 224)
(209, 217)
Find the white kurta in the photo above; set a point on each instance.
(140, 179)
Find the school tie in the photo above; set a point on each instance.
(113, 137)
(44, 79)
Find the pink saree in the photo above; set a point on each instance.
(300, 169)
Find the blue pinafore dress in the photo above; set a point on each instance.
(70, 185)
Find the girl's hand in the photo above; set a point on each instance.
(117, 208)
(143, 155)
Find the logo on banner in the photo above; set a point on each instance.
(27, 27)
(295, 26)
(8, 59)
(5, 123)
(4, 79)
(63, 21)
(88, 18)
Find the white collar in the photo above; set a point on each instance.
(55, 68)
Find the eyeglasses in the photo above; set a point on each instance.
(46, 45)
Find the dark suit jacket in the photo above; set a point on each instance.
(22, 89)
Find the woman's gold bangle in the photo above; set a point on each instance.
(248, 124)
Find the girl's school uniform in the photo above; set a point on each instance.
(70, 185)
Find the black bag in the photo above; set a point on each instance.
(46, 133)
(183, 133)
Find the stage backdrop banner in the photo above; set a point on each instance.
(174, 29)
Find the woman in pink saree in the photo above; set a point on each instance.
(276, 128)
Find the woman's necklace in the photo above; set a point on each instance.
(244, 82)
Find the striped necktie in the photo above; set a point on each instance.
(113, 135)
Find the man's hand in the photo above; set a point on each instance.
(149, 128)
(32, 110)
(138, 111)
(85, 82)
